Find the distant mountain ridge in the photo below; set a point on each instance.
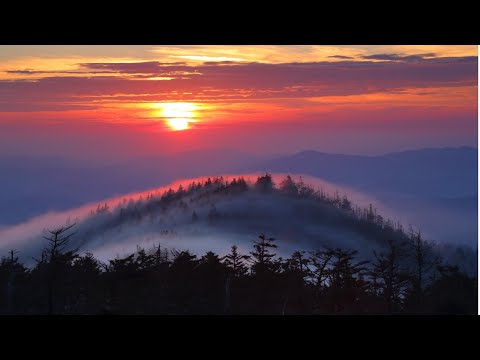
(430, 172)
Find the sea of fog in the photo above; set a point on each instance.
(294, 232)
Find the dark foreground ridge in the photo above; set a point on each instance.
(405, 274)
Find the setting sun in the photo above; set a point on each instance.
(178, 115)
(178, 123)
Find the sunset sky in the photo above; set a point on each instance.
(118, 102)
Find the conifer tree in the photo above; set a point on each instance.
(55, 257)
(390, 273)
(262, 257)
(235, 262)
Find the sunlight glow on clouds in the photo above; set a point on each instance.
(233, 85)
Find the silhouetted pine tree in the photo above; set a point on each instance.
(262, 257)
(321, 261)
(390, 274)
(306, 191)
(425, 262)
(295, 272)
(235, 262)
(182, 281)
(88, 290)
(346, 283)
(346, 204)
(12, 272)
(238, 185)
(288, 186)
(345, 272)
(211, 275)
(56, 261)
(264, 183)
(298, 264)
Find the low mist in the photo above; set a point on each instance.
(202, 221)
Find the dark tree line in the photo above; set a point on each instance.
(404, 276)
(159, 281)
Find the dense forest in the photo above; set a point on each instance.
(405, 274)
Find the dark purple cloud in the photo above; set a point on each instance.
(341, 57)
(36, 72)
(137, 67)
(226, 62)
(399, 57)
(242, 80)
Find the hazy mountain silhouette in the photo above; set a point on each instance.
(437, 173)
(434, 188)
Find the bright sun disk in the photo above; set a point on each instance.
(178, 115)
(178, 123)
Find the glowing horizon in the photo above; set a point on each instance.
(158, 99)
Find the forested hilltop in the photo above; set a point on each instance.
(399, 272)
